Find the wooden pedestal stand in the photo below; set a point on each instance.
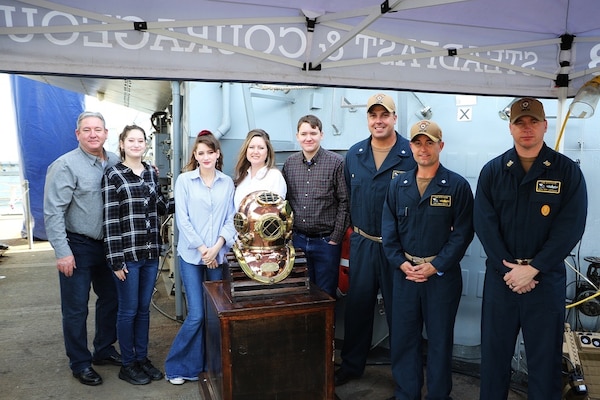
(268, 346)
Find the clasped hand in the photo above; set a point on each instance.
(209, 255)
(520, 278)
(418, 273)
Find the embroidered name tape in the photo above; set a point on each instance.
(545, 186)
(440, 200)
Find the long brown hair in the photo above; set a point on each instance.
(242, 165)
(206, 137)
(123, 136)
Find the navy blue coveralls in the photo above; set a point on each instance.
(539, 216)
(369, 268)
(440, 224)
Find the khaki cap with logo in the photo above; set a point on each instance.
(382, 99)
(527, 106)
(427, 128)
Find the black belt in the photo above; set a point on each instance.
(313, 235)
(523, 261)
(84, 236)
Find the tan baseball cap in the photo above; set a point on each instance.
(427, 128)
(383, 100)
(527, 106)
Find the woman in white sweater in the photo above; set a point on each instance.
(255, 168)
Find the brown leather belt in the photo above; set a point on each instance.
(362, 233)
(523, 261)
(419, 260)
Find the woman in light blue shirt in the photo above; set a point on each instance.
(204, 216)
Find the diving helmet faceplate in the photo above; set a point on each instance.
(263, 247)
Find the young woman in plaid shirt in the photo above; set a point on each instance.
(133, 202)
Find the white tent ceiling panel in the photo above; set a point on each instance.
(509, 47)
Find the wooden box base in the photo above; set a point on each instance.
(271, 348)
(241, 287)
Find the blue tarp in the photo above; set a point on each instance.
(46, 122)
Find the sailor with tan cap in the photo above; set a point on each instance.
(427, 225)
(371, 165)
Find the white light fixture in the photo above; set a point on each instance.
(583, 105)
(585, 101)
(425, 112)
(504, 114)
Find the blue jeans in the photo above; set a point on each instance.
(186, 358)
(91, 271)
(322, 260)
(133, 317)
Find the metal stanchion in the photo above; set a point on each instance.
(28, 216)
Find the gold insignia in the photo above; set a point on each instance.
(545, 210)
(545, 186)
(547, 163)
(440, 200)
(509, 163)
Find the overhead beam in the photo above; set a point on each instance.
(374, 15)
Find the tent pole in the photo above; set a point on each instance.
(177, 143)
(560, 112)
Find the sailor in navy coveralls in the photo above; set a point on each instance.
(370, 166)
(427, 225)
(530, 211)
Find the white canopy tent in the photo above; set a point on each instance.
(135, 52)
(543, 48)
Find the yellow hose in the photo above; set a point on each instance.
(562, 130)
(583, 300)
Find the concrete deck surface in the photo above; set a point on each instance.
(33, 364)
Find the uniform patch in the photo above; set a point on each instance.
(440, 200)
(396, 172)
(544, 186)
(545, 210)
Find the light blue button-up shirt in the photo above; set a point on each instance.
(203, 214)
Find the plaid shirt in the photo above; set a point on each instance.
(318, 193)
(131, 207)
